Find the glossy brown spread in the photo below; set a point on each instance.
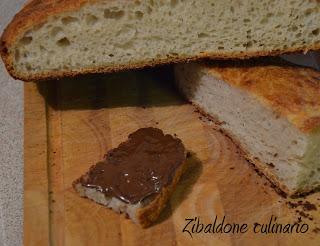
(139, 167)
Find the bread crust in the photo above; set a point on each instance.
(291, 91)
(37, 11)
(149, 214)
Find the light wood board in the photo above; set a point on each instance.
(71, 124)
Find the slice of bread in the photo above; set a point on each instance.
(50, 39)
(271, 111)
(149, 159)
(144, 213)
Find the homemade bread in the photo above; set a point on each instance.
(138, 177)
(271, 111)
(56, 38)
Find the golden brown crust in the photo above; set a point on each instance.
(291, 91)
(141, 64)
(37, 11)
(149, 214)
(33, 13)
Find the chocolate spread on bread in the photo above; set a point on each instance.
(139, 167)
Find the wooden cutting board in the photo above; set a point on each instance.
(71, 124)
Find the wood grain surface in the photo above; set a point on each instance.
(71, 124)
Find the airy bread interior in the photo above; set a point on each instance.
(110, 202)
(289, 157)
(117, 33)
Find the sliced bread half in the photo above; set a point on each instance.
(50, 39)
(271, 111)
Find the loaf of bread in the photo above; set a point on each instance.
(55, 38)
(271, 111)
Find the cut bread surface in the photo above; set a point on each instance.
(53, 38)
(261, 108)
(111, 202)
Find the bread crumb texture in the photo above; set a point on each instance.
(264, 111)
(291, 91)
(50, 36)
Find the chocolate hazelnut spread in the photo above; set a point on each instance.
(139, 167)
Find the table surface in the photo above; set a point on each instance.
(11, 145)
(69, 125)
